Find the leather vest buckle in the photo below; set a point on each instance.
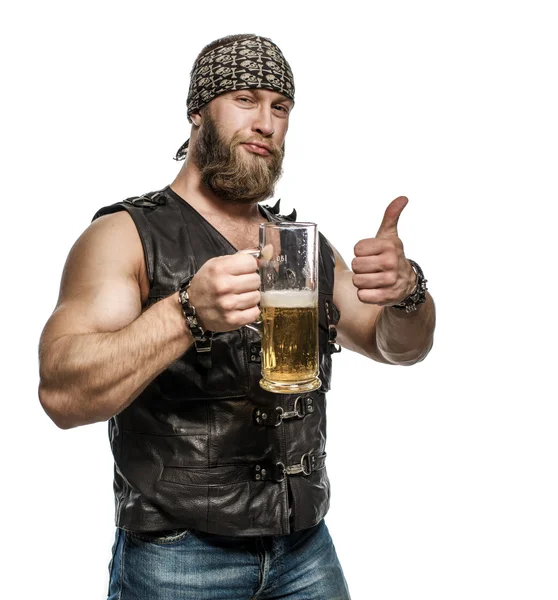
(309, 463)
(274, 417)
(304, 467)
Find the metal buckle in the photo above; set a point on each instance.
(279, 471)
(203, 344)
(308, 457)
(280, 416)
(301, 468)
(273, 417)
(297, 412)
(283, 470)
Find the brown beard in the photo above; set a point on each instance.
(231, 174)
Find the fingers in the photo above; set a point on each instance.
(241, 284)
(233, 319)
(378, 296)
(225, 292)
(375, 263)
(241, 263)
(372, 246)
(384, 286)
(388, 227)
(375, 280)
(231, 302)
(245, 301)
(239, 318)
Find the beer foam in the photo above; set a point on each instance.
(289, 298)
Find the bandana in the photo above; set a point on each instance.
(252, 63)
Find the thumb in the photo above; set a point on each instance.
(388, 227)
(253, 251)
(265, 253)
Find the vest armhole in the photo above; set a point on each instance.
(327, 260)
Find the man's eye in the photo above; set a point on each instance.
(281, 108)
(244, 99)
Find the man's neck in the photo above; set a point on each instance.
(188, 186)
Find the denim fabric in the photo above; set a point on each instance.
(192, 565)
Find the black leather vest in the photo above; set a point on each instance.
(207, 448)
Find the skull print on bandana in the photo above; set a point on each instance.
(255, 62)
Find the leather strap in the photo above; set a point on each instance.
(231, 474)
(333, 346)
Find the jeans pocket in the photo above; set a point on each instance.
(171, 536)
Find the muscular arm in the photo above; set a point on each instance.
(383, 334)
(98, 351)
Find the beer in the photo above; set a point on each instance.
(290, 336)
(288, 325)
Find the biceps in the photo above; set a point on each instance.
(100, 290)
(101, 308)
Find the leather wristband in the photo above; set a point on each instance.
(202, 338)
(418, 296)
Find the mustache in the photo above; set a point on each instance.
(276, 151)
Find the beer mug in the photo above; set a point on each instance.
(289, 307)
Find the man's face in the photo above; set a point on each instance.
(240, 144)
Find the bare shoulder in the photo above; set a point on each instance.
(117, 230)
(110, 247)
(104, 283)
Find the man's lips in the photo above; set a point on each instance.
(257, 148)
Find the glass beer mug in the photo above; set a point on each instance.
(289, 307)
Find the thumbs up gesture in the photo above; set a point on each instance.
(382, 274)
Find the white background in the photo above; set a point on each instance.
(444, 482)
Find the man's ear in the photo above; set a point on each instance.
(196, 118)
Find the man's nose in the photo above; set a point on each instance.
(263, 123)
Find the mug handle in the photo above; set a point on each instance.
(256, 326)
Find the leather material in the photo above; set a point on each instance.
(186, 450)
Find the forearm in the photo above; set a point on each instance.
(90, 377)
(405, 338)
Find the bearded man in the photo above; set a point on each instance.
(202, 508)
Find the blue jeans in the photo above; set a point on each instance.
(192, 565)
